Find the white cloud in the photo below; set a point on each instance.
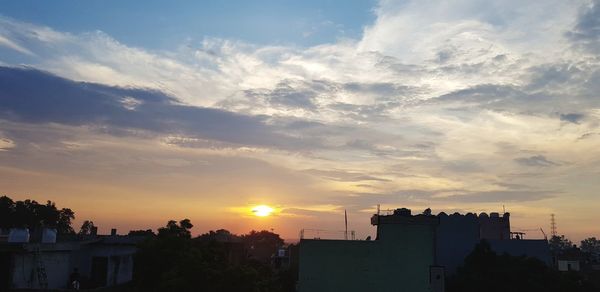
(438, 96)
(6, 144)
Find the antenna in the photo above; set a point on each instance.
(553, 225)
(503, 210)
(544, 233)
(346, 222)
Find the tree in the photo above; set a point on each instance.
(172, 261)
(262, 245)
(220, 235)
(592, 247)
(7, 210)
(87, 227)
(30, 214)
(176, 230)
(264, 237)
(559, 243)
(65, 216)
(484, 270)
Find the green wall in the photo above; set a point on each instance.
(398, 261)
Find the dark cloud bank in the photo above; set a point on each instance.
(37, 97)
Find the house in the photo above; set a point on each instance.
(570, 260)
(100, 261)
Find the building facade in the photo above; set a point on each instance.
(402, 258)
(98, 261)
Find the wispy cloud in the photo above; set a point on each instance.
(446, 103)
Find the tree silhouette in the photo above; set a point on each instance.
(484, 270)
(86, 227)
(173, 261)
(559, 243)
(176, 230)
(591, 246)
(30, 214)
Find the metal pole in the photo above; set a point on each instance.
(346, 223)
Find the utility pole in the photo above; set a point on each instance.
(346, 223)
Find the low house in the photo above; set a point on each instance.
(570, 260)
(98, 261)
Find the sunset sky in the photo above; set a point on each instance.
(136, 112)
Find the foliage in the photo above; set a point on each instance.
(86, 227)
(484, 270)
(219, 235)
(176, 230)
(263, 239)
(559, 243)
(173, 261)
(591, 246)
(30, 214)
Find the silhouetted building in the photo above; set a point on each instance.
(411, 252)
(458, 234)
(402, 258)
(570, 260)
(97, 261)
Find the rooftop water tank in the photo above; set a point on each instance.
(49, 235)
(18, 235)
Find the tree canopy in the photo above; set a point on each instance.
(559, 243)
(31, 214)
(484, 270)
(173, 261)
(591, 246)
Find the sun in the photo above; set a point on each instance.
(262, 210)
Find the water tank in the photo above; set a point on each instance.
(402, 212)
(49, 235)
(18, 235)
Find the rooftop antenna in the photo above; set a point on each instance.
(346, 223)
(552, 225)
(503, 210)
(544, 233)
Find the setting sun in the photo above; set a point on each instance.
(262, 210)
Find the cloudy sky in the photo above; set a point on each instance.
(136, 114)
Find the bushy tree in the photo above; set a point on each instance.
(86, 227)
(176, 230)
(30, 214)
(592, 247)
(484, 270)
(559, 243)
(173, 261)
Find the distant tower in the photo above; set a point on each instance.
(553, 225)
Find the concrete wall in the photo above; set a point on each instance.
(565, 266)
(398, 261)
(457, 235)
(24, 272)
(61, 259)
(494, 226)
(120, 261)
(538, 249)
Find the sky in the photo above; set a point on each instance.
(133, 113)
